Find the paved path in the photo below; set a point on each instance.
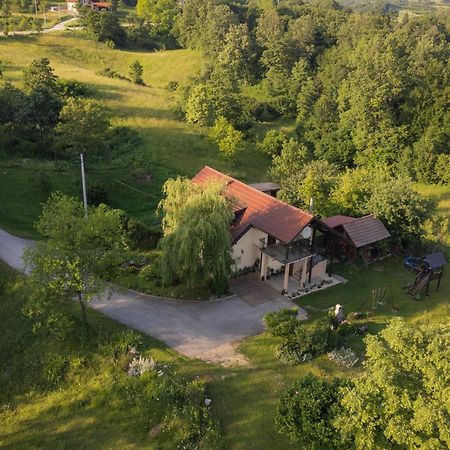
(11, 249)
(58, 27)
(192, 328)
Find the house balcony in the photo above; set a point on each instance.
(296, 265)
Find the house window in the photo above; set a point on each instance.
(271, 240)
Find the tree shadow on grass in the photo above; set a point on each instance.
(71, 423)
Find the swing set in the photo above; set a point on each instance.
(379, 297)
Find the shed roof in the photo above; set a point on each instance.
(265, 187)
(436, 260)
(366, 230)
(336, 221)
(262, 211)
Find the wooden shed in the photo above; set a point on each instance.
(360, 233)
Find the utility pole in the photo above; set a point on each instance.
(43, 5)
(83, 182)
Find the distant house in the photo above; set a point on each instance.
(360, 235)
(270, 235)
(72, 6)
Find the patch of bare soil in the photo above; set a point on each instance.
(225, 355)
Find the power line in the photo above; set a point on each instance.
(134, 189)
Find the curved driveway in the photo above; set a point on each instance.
(192, 328)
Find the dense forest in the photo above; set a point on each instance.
(364, 89)
(368, 93)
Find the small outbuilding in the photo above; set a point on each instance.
(360, 234)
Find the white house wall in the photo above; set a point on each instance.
(247, 250)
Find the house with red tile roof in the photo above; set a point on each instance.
(270, 234)
(72, 5)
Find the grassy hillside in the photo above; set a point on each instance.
(168, 148)
(91, 403)
(68, 388)
(440, 193)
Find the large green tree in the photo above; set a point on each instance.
(40, 75)
(102, 26)
(401, 208)
(160, 13)
(402, 399)
(82, 126)
(78, 254)
(196, 245)
(44, 102)
(302, 180)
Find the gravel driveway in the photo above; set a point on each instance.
(193, 328)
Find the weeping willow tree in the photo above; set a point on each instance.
(196, 247)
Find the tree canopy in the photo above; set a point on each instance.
(78, 254)
(402, 398)
(82, 126)
(306, 411)
(196, 245)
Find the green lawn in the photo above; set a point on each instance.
(439, 192)
(169, 147)
(244, 398)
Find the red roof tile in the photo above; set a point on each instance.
(366, 230)
(336, 221)
(262, 211)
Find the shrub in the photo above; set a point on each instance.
(306, 412)
(143, 236)
(343, 357)
(306, 342)
(344, 329)
(199, 107)
(111, 73)
(151, 273)
(139, 366)
(172, 86)
(123, 140)
(272, 143)
(120, 343)
(282, 323)
(263, 112)
(441, 168)
(229, 140)
(136, 71)
(72, 88)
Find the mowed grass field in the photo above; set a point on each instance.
(168, 147)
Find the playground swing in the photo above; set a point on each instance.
(379, 297)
